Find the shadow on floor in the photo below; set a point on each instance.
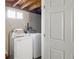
(38, 58)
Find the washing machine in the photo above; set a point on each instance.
(20, 46)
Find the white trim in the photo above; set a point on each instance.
(42, 27)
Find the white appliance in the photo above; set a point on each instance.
(25, 46)
(36, 41)
(20, 46)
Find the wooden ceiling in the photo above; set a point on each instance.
(28, 5)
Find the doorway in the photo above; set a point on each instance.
(23, 29)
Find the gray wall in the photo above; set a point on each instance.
(35, 21)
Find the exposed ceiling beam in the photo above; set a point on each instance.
(26, 4)
(19, 2)
(34, 6)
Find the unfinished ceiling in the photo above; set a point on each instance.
(28, 5)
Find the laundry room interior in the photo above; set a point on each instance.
(23, 29)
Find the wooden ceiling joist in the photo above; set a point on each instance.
(19, 2)
(34, 6)
(26, 4)
(16, 3)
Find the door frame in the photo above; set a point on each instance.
(42, 27)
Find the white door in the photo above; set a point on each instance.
(57, 21)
